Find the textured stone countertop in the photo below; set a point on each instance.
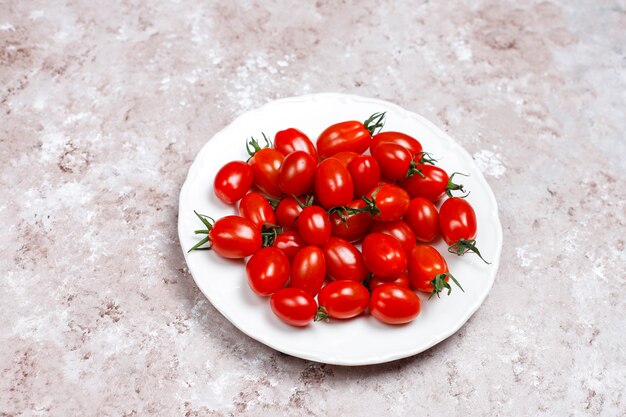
(102, 110)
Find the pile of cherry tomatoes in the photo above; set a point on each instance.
(303, 207)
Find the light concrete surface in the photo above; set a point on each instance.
(103, 106)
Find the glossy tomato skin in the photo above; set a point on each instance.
(355, 227)
(290, 140)
(432, 187)
(384, 255)
(257, 209)
(394, 304)
(289, 242)
(345, 157)
(233, 181)
(346, 136)
(376, 281)
(394, 161)
(308, 270)
(344, 299)
(365, 174)
(235, 237)
(265, 166)
(425, 263)
(297, 173)
(287, 211)
(407, 142)
(457, 220)
(314, 225)
(294, 306)
(267, 271)
(333, 184)
(344, 261)
(392, 202)
(400, 230)
(423, 218)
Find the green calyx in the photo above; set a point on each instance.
(253, 146)
(370, 203)
(375, 122)
(454, 187)
(425, 158)
(439, 283)
(413, 169)
(269, 232)
(321, 315)
(466, 245)
(208, 223)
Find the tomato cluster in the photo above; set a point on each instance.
(304, 207)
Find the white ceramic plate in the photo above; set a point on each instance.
(363, 340)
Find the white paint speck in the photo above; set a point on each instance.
(282, 63)
(525, 257)
(35, 14)
(7, 26)
(490, 163)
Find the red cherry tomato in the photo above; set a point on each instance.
(428, 270)
(314, 225)
(294, 306)
(394, 304)
(343, 299)
(384, 255)
(375, 281)
(308, 270)
(365, 174)
(233, 181)
(346, 136)
(290, 140)
(257, 209)
(457, 221)
(432, 186)
(297, 173)
(333, 184)
(231, 237)
(388, 202)
(409, 143)
(423, 218)
(398, 229)
(345, 157)
(289, 242)
(355, 226)
(394, 161)
(344, 261)
(265, 166)
(267, 271)
(287, 211)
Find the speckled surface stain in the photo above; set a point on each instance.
(103, 109)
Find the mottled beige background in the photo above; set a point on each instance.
(104, 107)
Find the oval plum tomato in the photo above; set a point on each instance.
(287, 211)
(265, 164)
(308, 270)
(344, 261)
(398, 229)
(354, 226)
(233, 181)
(433, 185)
(267, 271)
(333, 184)
(394, 304)
(384, 255)
(314, 225)
(348, 136)
(395, 162)
(230, 237)
(387, 202)
(423, 218)
(343, 299)
(294, 306)
(297, 173)
(289, 242)
(345, 157)
(457, 221)
(428, 271)
(257, 209)
(375, 281)
(407, 142)
(291, 140)
(365, 174)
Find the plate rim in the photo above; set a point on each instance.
(438, 337)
